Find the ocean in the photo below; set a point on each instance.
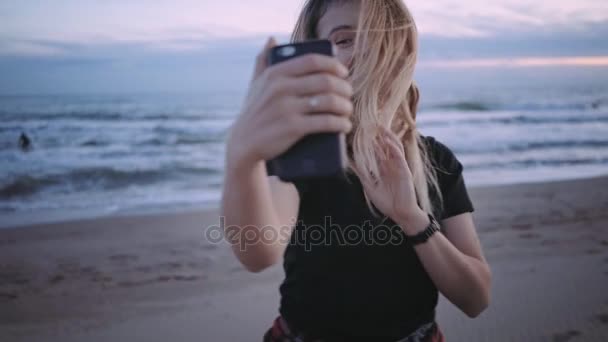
(100, 154)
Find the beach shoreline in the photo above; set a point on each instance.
(155, 276)
(40, 217)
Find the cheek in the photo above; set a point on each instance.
(345, 56)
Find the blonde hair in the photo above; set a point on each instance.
(385, 94)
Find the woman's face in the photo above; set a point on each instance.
(339, 24)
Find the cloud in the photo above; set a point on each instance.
(508, 44)
(224, 64)
(163, 24)
(192, 44)
(486, 18)
(13, 47)
(182, 25)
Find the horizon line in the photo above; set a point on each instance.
(519, 62)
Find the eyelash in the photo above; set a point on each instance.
(343, 40)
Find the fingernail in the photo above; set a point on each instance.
(269, 42)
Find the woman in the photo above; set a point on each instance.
(348, 288)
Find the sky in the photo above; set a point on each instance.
(188, 45)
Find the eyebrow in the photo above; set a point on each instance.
(341, 27)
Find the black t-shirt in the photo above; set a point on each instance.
(349, 273)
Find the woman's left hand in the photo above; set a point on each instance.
(395, 196)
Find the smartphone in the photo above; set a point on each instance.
(315, 155)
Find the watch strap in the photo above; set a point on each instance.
(424, 235)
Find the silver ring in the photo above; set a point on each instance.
(313, 102)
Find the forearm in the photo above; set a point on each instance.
(246, 207)
(464, 280)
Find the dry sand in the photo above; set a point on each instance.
(157, 278)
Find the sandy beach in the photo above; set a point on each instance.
(158, 278)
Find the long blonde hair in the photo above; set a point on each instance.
(385, 94)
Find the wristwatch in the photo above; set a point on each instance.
(424, 235)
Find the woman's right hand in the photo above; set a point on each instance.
(277, 111)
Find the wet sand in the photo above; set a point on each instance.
(158, 277)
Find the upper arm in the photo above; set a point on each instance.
(456, 217)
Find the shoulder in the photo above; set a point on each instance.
(443, 157)
(449, 170)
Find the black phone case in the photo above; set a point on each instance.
(315, 155)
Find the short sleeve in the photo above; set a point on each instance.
(301, 185)
(456, 198)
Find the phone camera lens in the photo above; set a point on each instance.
(287, 51)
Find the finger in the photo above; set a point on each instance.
(323, 123)
(380, 148)
(310, 63)
(261, 61)
(384, 159)
(393, 143)
(394, 151)
(380, 162)
(325, 103)
(319, 83)
(384, 167)
(397, 155)
(389, 134)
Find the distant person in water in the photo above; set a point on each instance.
(24, 142)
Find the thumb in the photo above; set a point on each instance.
(261, 62)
